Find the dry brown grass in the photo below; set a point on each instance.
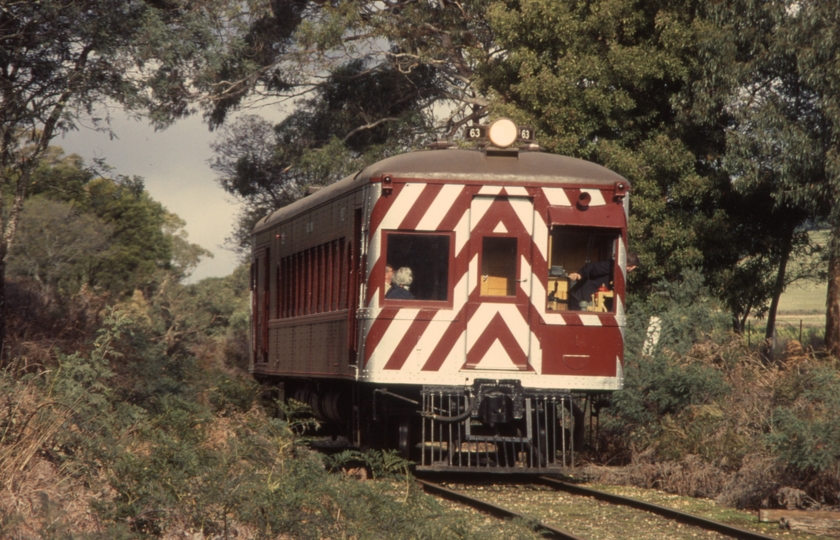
(36, 494)
(42, 497)
(691, 476)
(759, 482)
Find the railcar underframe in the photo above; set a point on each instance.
(494, 425)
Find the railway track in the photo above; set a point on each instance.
(673, 524)
(546, 530)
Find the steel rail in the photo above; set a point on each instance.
(491, 508)
(663, 511)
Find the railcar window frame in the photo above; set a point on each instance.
(314, 280)
(417, 270)
(499, 259)
(609, 239)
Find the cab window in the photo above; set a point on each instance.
(581, 268)
(427, 256)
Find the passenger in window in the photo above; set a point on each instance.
(594, 276)
(389, 276)
(400, 284)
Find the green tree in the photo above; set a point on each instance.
(185, 255)
(142, 243)
(810, 32)
(656, 91)
(288, 48)
(64, 60)
(250, 165)
(57, 245)
(778, 141)
(79, 229)
(211, 316)
(61, 177)
(612, 81)
(782, 137)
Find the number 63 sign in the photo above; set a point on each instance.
(523, 134)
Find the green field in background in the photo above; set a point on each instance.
(804, 297)
(805, 302)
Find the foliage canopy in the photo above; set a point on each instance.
(719, 114)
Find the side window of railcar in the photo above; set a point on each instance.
(427, 256)
(581, 268)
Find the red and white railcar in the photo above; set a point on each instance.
(483, 366)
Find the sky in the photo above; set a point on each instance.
(175, 166)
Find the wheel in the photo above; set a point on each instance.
(404, 437)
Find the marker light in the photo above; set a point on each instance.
(584, 199)
(502, 132)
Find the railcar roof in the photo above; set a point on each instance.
(461, 166)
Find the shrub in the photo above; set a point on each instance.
(805, 431)
(664, 383)
(702, 415)
(157, 448)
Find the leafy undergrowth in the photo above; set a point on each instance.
(149, 428)
(702, 415)
(135, 438)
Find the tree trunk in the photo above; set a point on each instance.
(832, 301)
(738, 324)
(778, 288)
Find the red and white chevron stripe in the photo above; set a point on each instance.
(486, 337)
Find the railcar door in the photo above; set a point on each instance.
(498, 332)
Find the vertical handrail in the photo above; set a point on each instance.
(562, 429)
(571, 433)
(528, 431)
(423, 432)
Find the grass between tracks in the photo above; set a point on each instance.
(706, 508)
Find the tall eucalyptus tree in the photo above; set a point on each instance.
(809, 32)
(64, 62)
(622, 83)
